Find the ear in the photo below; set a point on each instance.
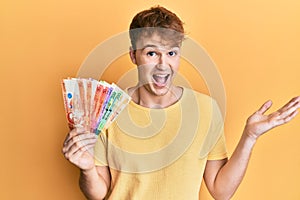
(132, 55)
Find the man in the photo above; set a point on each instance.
(120, 168)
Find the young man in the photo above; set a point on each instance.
(169, 137)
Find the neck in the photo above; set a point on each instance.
(142, 97)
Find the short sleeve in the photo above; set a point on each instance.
(214, 146)
(219, 151)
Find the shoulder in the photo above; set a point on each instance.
(200, 97)
(204, 103)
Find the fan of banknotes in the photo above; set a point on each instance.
(92, 104)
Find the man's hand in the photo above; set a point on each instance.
(78, 148)
(223, 177)
(258, 123)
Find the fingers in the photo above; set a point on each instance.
(78, 142)
(81, 142)
(260, 123)
(286, 119)
(287, 113)
(289, 109)
(294, 102)
(76, 154)
(265, 107)
(77, 138)
(291, 103)
(291, 116)
(73, 133)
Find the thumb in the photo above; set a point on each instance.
(265, 107)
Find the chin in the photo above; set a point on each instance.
(160, 91)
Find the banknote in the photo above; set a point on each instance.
(120, 104)
(91, 104)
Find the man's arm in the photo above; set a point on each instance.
(223, 177)
(95, 182)
(79, 149)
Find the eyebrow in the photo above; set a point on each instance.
(149, 45)
(155, 46)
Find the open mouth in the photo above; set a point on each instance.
(160, 79)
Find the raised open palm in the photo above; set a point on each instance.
(259, 123)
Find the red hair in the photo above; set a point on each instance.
(156, 20)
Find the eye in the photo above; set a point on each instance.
(172, 53)
(151, 53)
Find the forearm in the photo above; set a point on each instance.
(231, 174)
(223, 177)
(92, 184)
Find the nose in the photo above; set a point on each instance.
(162, 63)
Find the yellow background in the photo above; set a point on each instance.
(255, 45)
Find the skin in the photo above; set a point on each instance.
(223, 177)
(158, 64)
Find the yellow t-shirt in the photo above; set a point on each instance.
(160, 154)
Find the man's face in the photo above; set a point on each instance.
(158, 62)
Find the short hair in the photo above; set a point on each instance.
(156, 20)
